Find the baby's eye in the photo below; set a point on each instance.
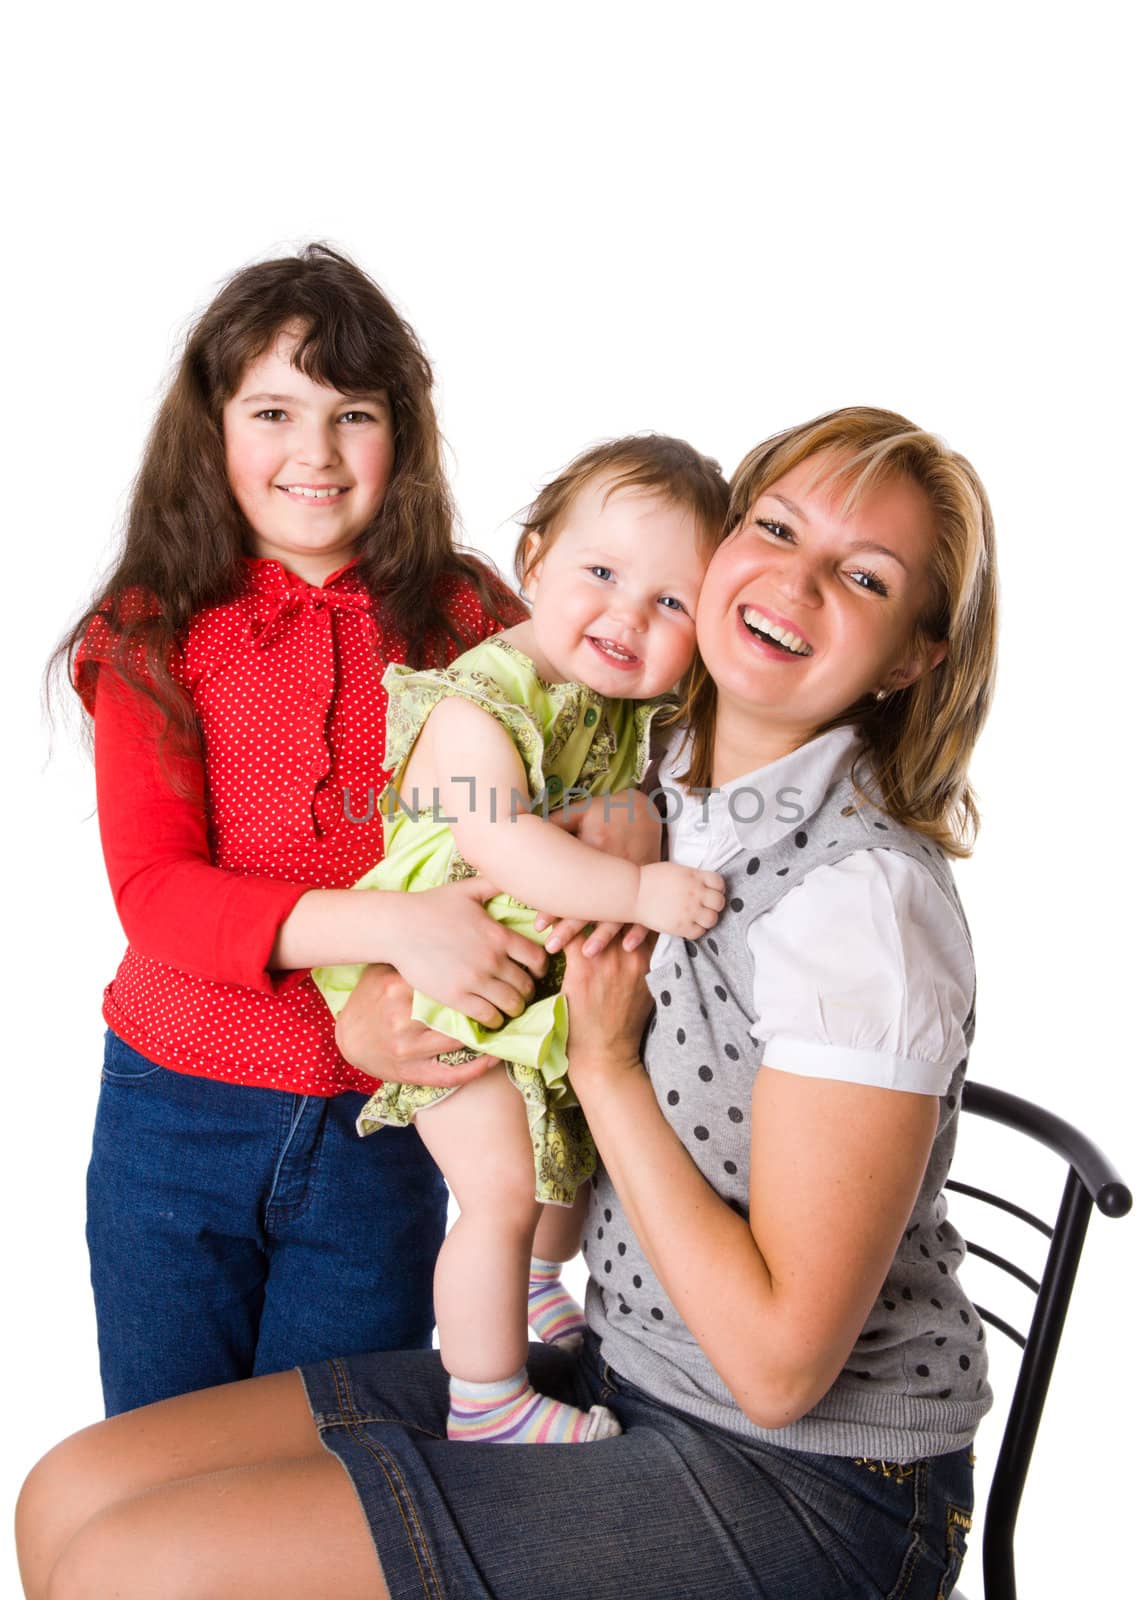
(778, 530)
(271, 414)
(869, 580)
(671, 603)
(602, 572)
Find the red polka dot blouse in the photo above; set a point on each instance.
(285, 681)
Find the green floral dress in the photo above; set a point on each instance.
(572, 741)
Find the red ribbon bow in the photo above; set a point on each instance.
(283, 602)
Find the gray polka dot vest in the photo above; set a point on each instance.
(915, 1383)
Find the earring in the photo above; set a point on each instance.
(880, 694)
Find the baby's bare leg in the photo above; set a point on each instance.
(480, 1140)
(559, 1233)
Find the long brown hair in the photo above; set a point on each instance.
(185, 536)
(918, 740)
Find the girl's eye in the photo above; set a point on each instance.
(269, 415)
(602, 572)
(870, 580)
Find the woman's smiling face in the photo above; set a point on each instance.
(806, 609)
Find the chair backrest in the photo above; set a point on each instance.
(1090, 1180)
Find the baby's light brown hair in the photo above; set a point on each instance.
(651, 462)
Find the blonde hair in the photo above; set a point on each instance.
(918, 740)
(652, 462)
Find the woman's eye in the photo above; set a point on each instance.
(357, 417)
(869, 580)
(778, 530)
(602, 572)
(269, 415)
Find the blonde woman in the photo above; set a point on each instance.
(773, 1311)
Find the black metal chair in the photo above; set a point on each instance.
(1091, 1178)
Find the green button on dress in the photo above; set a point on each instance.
(572, 742)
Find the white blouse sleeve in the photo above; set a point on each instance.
(864, 973)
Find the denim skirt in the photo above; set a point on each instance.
(673, 1509)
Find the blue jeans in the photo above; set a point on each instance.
(236, 1231)
(674, 1509)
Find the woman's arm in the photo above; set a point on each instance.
(176, 906)
(776, 1302)
(546, 866)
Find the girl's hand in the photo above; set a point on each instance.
(377, 1033)
(610, 1004)
(452, 950)
(685, 901)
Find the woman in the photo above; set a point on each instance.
(773, 1311)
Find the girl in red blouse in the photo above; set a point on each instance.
(289, 534)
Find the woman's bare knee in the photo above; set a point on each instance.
(233, 1425)
(245, 1534)
(57, 1497)
(73, 1482)
(129, 1555)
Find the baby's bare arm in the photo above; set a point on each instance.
(625, 824)
(483, 788)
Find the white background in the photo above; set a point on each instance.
(709, 220)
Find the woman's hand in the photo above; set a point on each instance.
(610, 1004)
(377, 1033)
(451, 949)
(627, 825)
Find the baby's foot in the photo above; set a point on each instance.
(553, 1314)
(510, 1411)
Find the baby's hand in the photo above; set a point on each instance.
(685, 901)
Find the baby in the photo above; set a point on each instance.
(613, 552)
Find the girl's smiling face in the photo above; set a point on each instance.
(806, 609)
(308, 467)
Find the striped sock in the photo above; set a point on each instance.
(511, 1412)
(553, 1314)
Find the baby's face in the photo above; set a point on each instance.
(615, 595)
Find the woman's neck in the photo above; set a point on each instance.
(745, 740)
